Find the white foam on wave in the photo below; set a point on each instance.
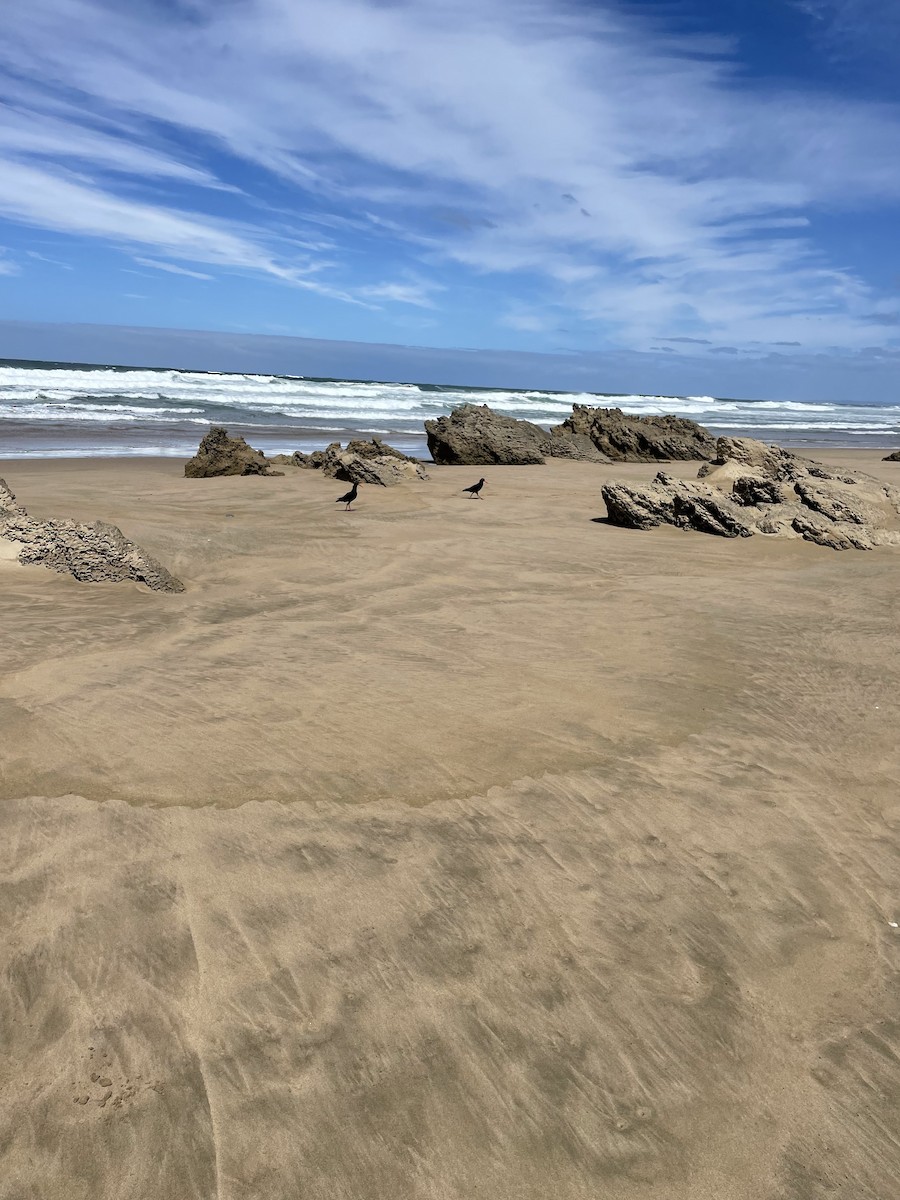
(108, 396)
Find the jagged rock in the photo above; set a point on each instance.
(751, 489)
(668, 501)
(376, 448)
(567, 443)
(622, 437)
(219, 454)
(384, 470)
(755, 488)
(895, 457)
(91, 553)
(476, 436)
(639, 507)
(710, 514)
(758, 457)
(309, 462)
(835, 500)
(363, 462)
(836, 535)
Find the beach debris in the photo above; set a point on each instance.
(93, 553)
(753, 488)
(475, 435)
(220, 454)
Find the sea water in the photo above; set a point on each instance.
(66, 410)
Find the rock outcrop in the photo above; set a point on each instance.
(91, 553)
(219, 454)
(752, 488)
(474, 435)
(622, 437)
(368, 462)
(895, 457)
(361, 462)
(306, 462)
(668, 501)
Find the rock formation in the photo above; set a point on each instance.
(219, 454)
(752, 488)
(622, 437)
(895, 457)
(91, 553)
(368, 462)
(307, 462)
(474, 435)
(361, 462)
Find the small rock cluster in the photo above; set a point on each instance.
(372, 462)
(90, 553)
(362, 462)
(752, 488)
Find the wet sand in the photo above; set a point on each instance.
(446, 849)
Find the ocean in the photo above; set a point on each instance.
(68, 410)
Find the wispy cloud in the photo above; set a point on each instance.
(419, 293)
(617, 172)
(171, 268)
(53, 262)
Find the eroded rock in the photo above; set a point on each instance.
(475, 435)
(90, 553)
(383, 465)
(668, 501)
(751, 488)
(622, 437)
(361, 462)
(220, 454)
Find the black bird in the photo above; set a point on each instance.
(475, 489)
(348, 497)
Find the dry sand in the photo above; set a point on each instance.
(446, 849)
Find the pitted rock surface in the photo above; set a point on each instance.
(752, 488)
(90, 553)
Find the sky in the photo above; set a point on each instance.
(541, 191)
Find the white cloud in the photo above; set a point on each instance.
(418, 293)
(635, 174)
(51, 200)
(171, 268)
(53, 262)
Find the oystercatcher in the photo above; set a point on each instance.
(348, 497)
(475, 489)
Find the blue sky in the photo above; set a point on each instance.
(708, 188)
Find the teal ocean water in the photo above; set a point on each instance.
(59, 409)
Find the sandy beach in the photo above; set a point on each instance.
(446, 849)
